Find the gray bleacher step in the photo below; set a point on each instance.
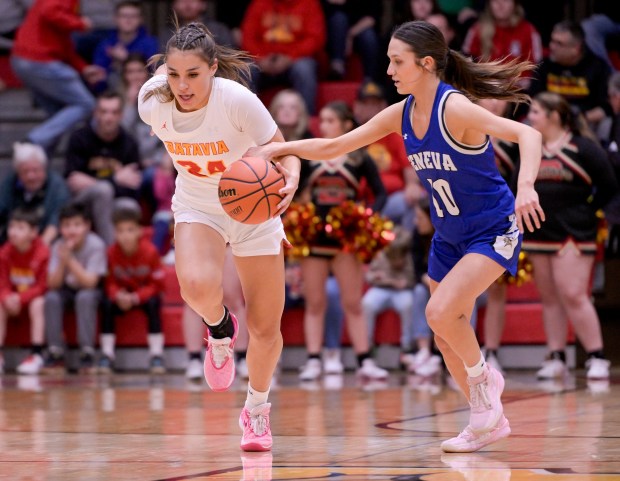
(16, 105)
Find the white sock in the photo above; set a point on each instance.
(156, 344)
(107, 344)
(477, 369)
(255, 398)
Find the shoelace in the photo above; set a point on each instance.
(258, 424)
(479, 395)
(220, 350)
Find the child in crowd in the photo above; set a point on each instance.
(135, 280)
(390, 276)
(77, 266)
(424, 362)
(23, 270)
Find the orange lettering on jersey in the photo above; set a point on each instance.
(222, 148)
(196, 150)
(178, 149)
(216, 166)
(187, 148)
(169, 147)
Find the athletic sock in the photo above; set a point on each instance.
(255, 398)
(222, 328)
(362, 357)
(477, 369)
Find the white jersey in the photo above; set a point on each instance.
(204, 143)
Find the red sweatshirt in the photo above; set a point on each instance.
(140, 273)
(24, 272)
(45, 35)
(521, 42)
(289, 27)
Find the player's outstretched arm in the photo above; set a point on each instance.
(384, 123)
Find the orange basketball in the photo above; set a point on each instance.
(248, 190)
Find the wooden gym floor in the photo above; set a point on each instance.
(138, 427)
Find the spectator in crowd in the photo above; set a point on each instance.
(163, 189)
(575, 179)
(103, 163)
(602, 25)
(23, 272)
(328, 184)
(46, 62)
(446, 26)
(188, 11)
(285, 36)
(398, 177)
(101, 14)
(425, 362)
(129, 36)
(502, 32)
(289, 111)
(134, 281)
(390, 277)
(574, 72)
(32, 185)
(612, 144)
(76, 268)
(134, 75)
(352, 27)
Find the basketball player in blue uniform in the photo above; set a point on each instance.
(478, 222)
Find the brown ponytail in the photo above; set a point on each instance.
(498, 79)
(231, 64)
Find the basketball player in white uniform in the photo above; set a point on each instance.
(207, 120)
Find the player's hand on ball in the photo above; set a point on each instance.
(263, 151)
(528, 210)
(288, 191)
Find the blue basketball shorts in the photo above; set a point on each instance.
(502, 247)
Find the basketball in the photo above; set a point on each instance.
(248, 190)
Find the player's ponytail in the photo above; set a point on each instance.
(231, 64)
(498, 79)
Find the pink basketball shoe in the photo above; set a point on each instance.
(485, 400)
(219, 365)
(256, 428)
(468, 441)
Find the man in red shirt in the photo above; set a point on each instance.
(46, 62)
(285, 36)
(135, 280)
(23, 282)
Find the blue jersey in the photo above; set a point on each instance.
(469, 196)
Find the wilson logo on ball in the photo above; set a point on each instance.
(223, 193)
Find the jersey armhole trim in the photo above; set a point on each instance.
(455, 144)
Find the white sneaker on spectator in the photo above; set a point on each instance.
(491, 360)
(310, 371)
(370, 370)
(332, 363)
(242, 368)
(597, 368)
(194, 370)
(430, 367)
(552, 369)
(418, 359)
(31, 365)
